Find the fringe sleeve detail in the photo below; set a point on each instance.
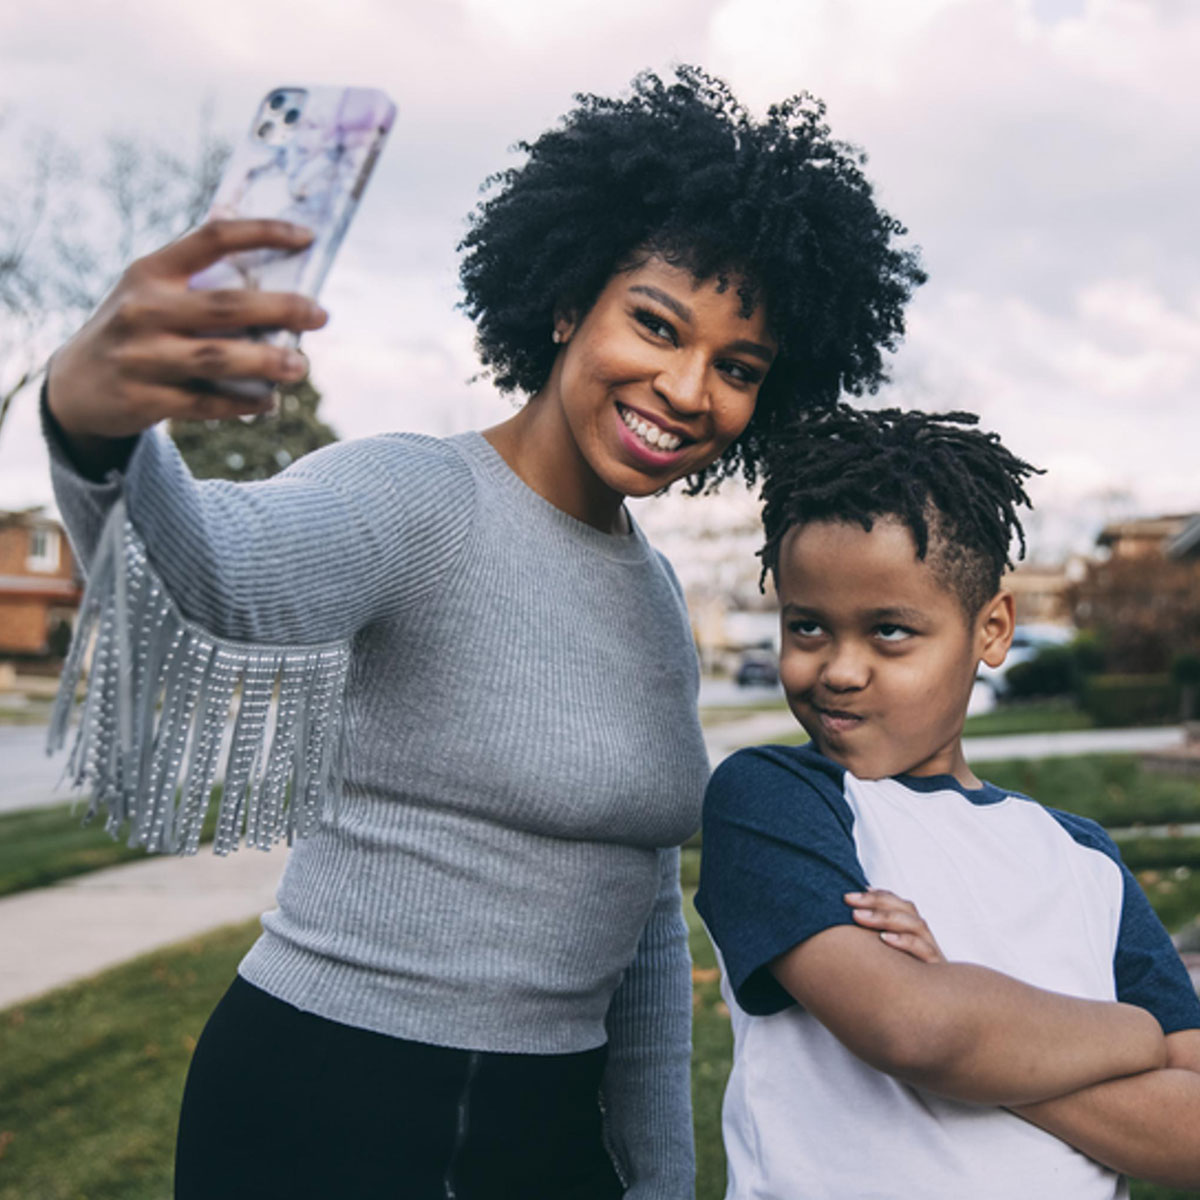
(154, 725)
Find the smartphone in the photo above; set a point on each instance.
(306, 159)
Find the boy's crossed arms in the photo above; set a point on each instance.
(1099, 1075)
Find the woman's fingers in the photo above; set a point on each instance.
(228, 310)
(183, 361)
(148, 351)
(215, 239)
(199, 403)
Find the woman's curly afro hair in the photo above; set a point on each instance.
(776, 208)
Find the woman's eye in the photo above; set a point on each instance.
(739, 372)
(892, 633)
(656, 324)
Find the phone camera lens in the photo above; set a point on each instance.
(264, 130)
(291, 116)
(277, 100)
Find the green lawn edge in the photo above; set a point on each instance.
(93, 1073)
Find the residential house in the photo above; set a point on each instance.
(1147, 537)
(1041, 591)
(40, 589)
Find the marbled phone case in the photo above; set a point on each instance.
(311, 171)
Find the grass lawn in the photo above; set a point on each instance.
(712, 1053)
(93, 1074)
(1046, 716)
(40, 846)
(1110, 788)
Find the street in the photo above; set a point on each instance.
(28, 777)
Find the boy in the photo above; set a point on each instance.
(1049, 1038)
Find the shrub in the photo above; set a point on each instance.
(1117, 700)
(1056, 670)
(1053, 671)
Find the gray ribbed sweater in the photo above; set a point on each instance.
(522, 750)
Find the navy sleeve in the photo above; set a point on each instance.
(1146, 965)
(778, 855)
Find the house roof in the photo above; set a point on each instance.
(1162, 528)
(1186, 543)
(29, 518)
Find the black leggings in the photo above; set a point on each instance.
(284, 1104)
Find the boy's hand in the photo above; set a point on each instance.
(897, 922)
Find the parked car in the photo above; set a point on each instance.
(758, 668)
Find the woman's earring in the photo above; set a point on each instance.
(557, 337)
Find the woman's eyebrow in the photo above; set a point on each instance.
(755, 348)
(681, 310)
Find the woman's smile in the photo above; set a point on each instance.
(651, 440)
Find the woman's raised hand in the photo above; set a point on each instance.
(153, 349)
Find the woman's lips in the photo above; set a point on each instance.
(636, 432)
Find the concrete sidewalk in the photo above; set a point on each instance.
(56, 935)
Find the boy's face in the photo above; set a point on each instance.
(878, 657)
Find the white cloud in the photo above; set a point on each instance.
(1103, 396)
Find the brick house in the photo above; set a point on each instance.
(1146, 537)
(40, 588)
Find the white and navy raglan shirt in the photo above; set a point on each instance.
(1001, 881)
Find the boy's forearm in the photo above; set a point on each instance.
(1146, 1125)
(961, 1030)
(995, 1040)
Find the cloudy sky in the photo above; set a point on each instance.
(1045, 155)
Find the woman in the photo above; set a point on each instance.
(476, 983)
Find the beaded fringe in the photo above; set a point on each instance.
(160, 695)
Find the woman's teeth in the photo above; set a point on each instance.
(660, 439)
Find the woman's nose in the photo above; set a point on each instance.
(683, 384)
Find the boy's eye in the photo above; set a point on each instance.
(892, 633)
(657, 325)
(805, 629)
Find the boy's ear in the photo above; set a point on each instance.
(995, 624)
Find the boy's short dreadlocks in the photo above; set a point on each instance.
(777, 209)
(955, 488)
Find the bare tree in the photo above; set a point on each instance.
(69, 225)
(24, 286)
